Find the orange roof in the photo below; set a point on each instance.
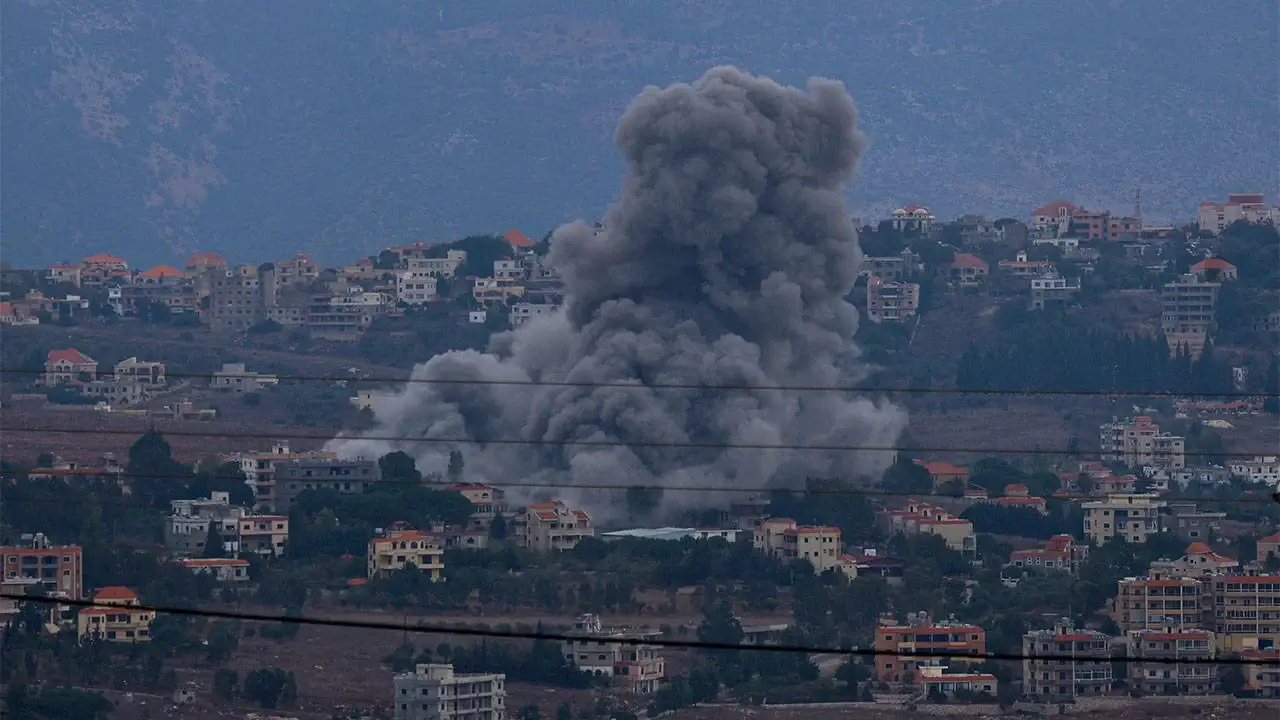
(942, 467)
(6, 307)
(114, 592)
(968, 260)
(1273, 538)
(102, 259)
(1213, 263)
(161, 271)
(213, 562)
(207, 259)
(810, 529)
(1016, 490)
(543, 506)
(70, 355)
(517, 239)
(1053, 208)
(1198, 548)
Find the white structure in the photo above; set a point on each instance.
(508, 269)
(618, 654)
(913, 218)
(1263, 469)
(1250, 207)
(1130, 517)
(415, 287)
(1138, 442)
(445, 267)
(522, 313)
(234, 377)
(434, 692)
(478, 317)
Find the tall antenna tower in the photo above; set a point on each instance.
(1137, 203)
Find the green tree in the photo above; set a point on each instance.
(223, 640)
(498, 528)
(565, 711)
(906, 475)
(264, 686)
(226, 684)
(456, 465)
(157, 478)
(213, 545)
(398, 466)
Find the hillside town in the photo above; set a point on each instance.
(1149, 552)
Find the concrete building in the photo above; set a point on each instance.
(1263, 469)
(1244, 611)
(1262, 671)
(59, 569)
(235, 377)
(921, 634)
(889, 301)
(784, 539)
(123, 622)
(1053, 218)
(435, 692)
(400, 549)
(922, 518)
(1052, 291)
(913, 218)
(487, 503)
(1199, 561)
(553, 526)
(1157, 678)
(415, 287)
(1269, 547)
(1130, 517)
(1186, 520)
(892, 268)
(1249, 207)
(440, 267)
(936, 681)
(259, 469)
(1062, 553)
(236, 298)
(1214, 269)
(522, 313)
(1144, 603)
(230, 570)
(1087, 673)
(968, 270)
(67, 365)
(1138, 442)
(187, 529)
(1187, 312)
(619, 654)
(349, 477)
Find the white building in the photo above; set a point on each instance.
(1263, 469)
(912, 218)
(1130, 517)
(1138, 442)
(619, 654)
(415, 287)
(522, 313)
(508, 269)
(234, 377)
(434, 692)
(445, 267)
(1250, 207)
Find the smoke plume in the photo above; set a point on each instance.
(726, 261)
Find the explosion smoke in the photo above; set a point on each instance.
(726, 261)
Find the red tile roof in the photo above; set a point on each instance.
(114, 592)
(1273, 538)
(1213, 263)
(1198, 548)
(942, 467)
(517, 239)
(206, 259)
(70, 355)
(161, 271)
(1053, 208)
(968, 260)
(102, 259)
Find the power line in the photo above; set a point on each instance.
(618, 443)
(631, 641)
(637, 384)
(876, 492)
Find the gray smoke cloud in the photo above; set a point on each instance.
(726, 261)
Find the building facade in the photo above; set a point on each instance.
(889, 301)
(553, 526)
(435, 692)
(59, 569)
(294, 477)
(406, 548)
(1138, 442)
(921, 634)
(1130, 517)
(1087, 672)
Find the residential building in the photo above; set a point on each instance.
(1269, 547)
(1017, 495)
(487, 291)
(1214, 269)
(553, 526)
(415, 287)
(788, 541)
(299, 270)
(920, 634)
(400, 549)
(508, 269)
(673, 534)
(187, 529)
(1249, 207)
(201, 262)
(968, 270)
(922, 518)
(977, 230)
(1245, 611)
(161, 285)
(1199, 560)
(1064, 662)
(1163, 678)
(520, 243)
(1187, 311)
(487, 503)
(894, 268)
(1054, 218)
(1061, 553)
(69, 274)
(1186, 520)
(68, 365)
(259, 468)
(1262, 671)
(149, 374)
(346, 315)
(619, 654)
(1023, 267)
(224, 569)
(889, 301)
(404, 254)
(102, 269)
(236, 298)
(57, 568)
(124, 621)
(435, 692)
(1263, 469)
(913, 218)
(1052, 291)
(1144, 603)
(522, 313)
(348, 477)
(106, 471)
(263, 534)
(234, 377)
(442, 267)
(943, 472)
(1130, 517)
(936, 681)
(1138, 442)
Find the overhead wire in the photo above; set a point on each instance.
(536, 635)
(637, 384)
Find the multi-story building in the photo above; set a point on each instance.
(522, 313)
(69, 274)
(922, 518)
(487, 291)
(1269, 547)
(443, 267)
(1249, 207)
(1052, 291)
(936, 681)
(1214, 269)
(923, 635)
(616, 653)
(1138, 442)
(968, 270)
(893, 268)
(1186, 520)
(1262, 671)
(68, 365)
(487, 503)
(435, 692)
(298, 270)
(1065, 662)
(259, 469)
(224, 569)
(187, 530)
(553, 526)
(889, 301)
(1245, 611)
(1163, 678)
(235, 298)
(1024, 267)
(57, 568)
(234, 377)
(1130, 517)
(1187, 312)
(1146, 603)
(400, 549)
(346, 315)
(102, 269)
(508, 269)
(1199, 560)
(912, 219)
(122, 620)
(784, 539)
(348, 477)
(415, 287)
(1054, 218)
(1263, 469)
(1061, 553)
(263, 534)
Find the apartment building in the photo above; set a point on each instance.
(443, 267)
(103, 268)
(1250, 207)
(1146, 603)
(58, 569)
(889, 301)
(263, 534)
(921, 635)
(553, 526)
(67, 365)
(615, 653)
(348, 477)
(1262, 671)
(1186, 520)
(1062, 553)
(236, 377)
(235, 298)
(123, 622)
(487, 503)
(1064, 662)
(522, 313)
(1187, 311)
(1199, 560)
(1263, 469)
(259, 469)
(893, 268)
(487, 291)
(1162, 678)
(1138, 442)
(1245, 611)
(227, 570)
(1052, 291)
(187, 529)
(400, 549)
(1130, 517)
(416, 287)
(435, 692)
(788, 541)
(922, 518)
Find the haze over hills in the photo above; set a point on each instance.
(153, 128)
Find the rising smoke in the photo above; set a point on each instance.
(726, 261)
